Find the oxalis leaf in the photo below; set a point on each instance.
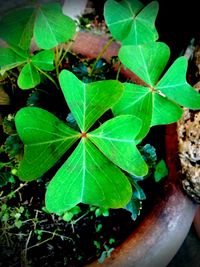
(45, 22)
(9, 59)
(91, 174)
(87, 177)
(89, 101)
(52, 26)
(112, 138)
(46, 139)
(130, 22)
(29, 76)
(160, 99)
(16, 27)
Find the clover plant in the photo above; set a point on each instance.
(159, 99)
(105, 161)
(91, 174)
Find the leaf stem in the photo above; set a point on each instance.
(58, 55)
(15, 191)
(118, 71)
(57, 60)
(101, 54)
(49, 77)
(66, 50)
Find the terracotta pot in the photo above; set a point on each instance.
(197, 221)
(156, 239)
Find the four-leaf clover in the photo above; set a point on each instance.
(95, 172)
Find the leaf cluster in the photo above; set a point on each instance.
(48, 26)
(104, 163)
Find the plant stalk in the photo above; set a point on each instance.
(101, 54)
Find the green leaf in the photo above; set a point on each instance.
(75, 210)
(148, 153)
(119, 16)
(44, 60)
(88, 177)
(13, 146)
(16, 27)
(28, 77)
(9, 59)
(134, 207)
(102, 211)
(68, 216)
(152, 101)
(160, 170)
(151, 107)
(165, 111)
(52, 26)
(175, 86)
(130, 22)
(138, 101)
(112, 138)
(46, 23)
(88, 102)
(46, 139)
(138, 191)
(4, 178)
(18, 223)
(147, 61)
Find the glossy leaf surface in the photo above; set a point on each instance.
(136, 100)
(159, 99)
(146, 61)
(44, 60)
(89, 101)
(92, 173)
(52, 26)
(45, 22)
(175, 86)
(130, 22)
(46, 139)
(87, 177)
(28, 77)
(116, 139)
(16, 27)
(9, 59)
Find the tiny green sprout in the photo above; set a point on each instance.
(97, 244)
(68, 215)
(99, 227)
(14, 172)
(39, 234)
(111, 241)
(101, 211)
(106, 253)
(160, 170)
(45, 210)
(18, 223)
